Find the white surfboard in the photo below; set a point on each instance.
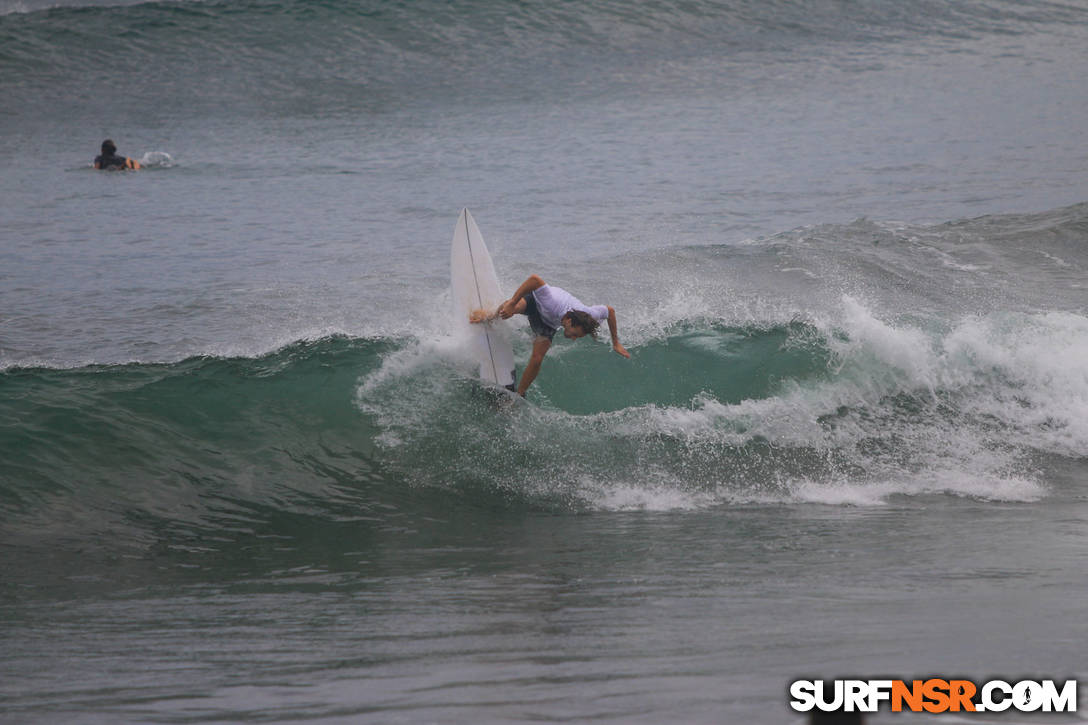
(476, 286)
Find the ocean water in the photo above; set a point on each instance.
(246, 474)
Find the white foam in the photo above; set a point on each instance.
(841, 493)
(1030, 372)
(955, 482)
(157, 160)
(902, 411)
(903, 348)
(612, 496)
(409, 361)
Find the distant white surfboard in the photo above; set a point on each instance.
(476, 286)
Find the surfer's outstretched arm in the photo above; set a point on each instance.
(613, 330)
(511, 307)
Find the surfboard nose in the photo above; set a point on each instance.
(475, 286)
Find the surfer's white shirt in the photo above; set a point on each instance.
(554, 302)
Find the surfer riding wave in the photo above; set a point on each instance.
(549, 309)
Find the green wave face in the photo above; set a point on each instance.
(377, 430)
(139, 438)
(728, 364)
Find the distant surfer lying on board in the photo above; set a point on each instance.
(549, 308)
(109, 159)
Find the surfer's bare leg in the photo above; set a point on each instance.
(540, 349)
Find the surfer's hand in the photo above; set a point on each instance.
(621, 350)
(478, 316)
(506, 310)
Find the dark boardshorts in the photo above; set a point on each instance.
(536, 323)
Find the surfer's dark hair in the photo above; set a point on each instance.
(108, 147)
(585, 321)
